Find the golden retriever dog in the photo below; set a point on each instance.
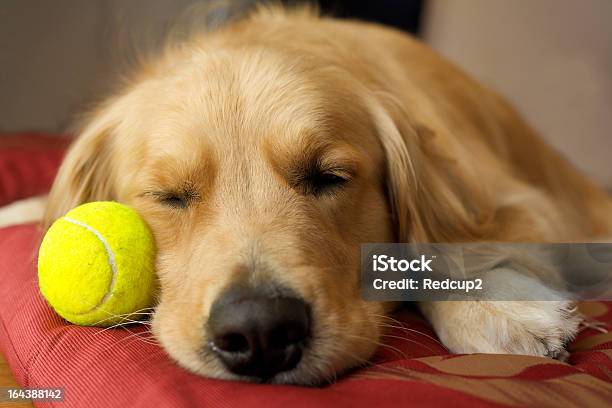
(263, 154)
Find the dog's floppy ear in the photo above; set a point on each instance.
(434, 192)
(86, 173)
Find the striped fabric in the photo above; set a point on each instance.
(125, 368)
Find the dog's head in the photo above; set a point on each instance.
(260, 175)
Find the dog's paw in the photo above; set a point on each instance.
(537, 328)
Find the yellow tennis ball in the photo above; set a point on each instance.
(96, 265)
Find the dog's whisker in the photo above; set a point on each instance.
(134, 336)
(126, 316)
(132, 339)
(138, 311)
(408, 330)
(122, 324)
(410, 341)
(401, 326)
(379, 344)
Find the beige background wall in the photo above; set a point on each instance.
(57, 55)
(552, 58)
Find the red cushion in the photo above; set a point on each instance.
(119, 368)
(28, 163)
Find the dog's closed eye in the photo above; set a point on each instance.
(320, 181)
(175, 199)
(316, 180)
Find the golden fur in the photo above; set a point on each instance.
(229, 121)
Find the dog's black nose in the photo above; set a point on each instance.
(258, 335)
